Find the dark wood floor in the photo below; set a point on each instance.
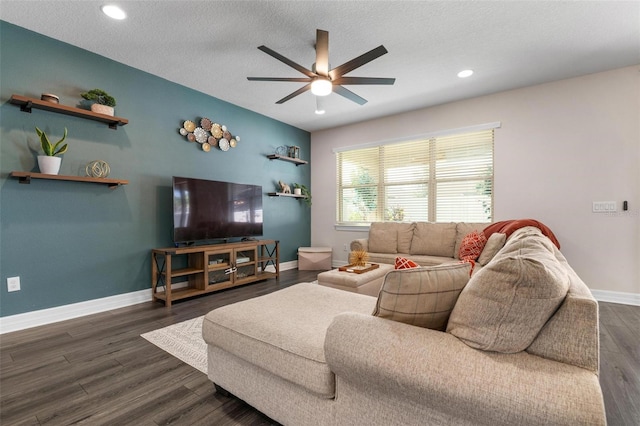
(97, 369)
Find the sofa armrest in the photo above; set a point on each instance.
(360, 244)
(437, 371)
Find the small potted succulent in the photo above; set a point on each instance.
(300, 189)
(49, 163)
(103, 103)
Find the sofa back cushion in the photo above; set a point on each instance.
(571, 336)
(423, 297)
(383, 237)
(434, 239)
(405, 235)
(505, 304)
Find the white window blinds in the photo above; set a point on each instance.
(438, 179)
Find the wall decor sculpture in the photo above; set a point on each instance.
(209, 134)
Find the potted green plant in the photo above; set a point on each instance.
(103, 103)
(49, 163)
(300, 189)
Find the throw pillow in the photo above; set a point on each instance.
(404, 263)
(472, 245)
(505, 304)
(423, 297)
(463, 229)
(383, 237)
(494, 243)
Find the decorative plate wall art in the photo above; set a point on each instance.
(209, 134)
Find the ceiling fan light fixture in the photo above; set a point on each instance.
(321, 87)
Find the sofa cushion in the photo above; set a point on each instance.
(383, 237)
(405, 235)
(420, 259)
(434, 239)
(422, 297)
(494, 243)
(472, 245)
(283, 333)
(505, 304)
(404, 263)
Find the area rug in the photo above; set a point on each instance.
(182, 340)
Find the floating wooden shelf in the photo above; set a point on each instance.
(25, 177)
(26, 104)
(282, 194)
(297, 161)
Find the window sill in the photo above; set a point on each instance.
(352, 228)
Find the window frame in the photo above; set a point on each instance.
(431, 181)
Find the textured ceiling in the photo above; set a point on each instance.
(211, 46)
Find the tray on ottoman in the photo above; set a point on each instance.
(356, 269)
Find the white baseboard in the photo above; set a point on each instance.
(284, 266)
(617, 297)
(75, 310)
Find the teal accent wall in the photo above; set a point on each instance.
(71, 242)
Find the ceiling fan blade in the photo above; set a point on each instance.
(364, 80)
(294, 94)
(322, 52)
(357, 62)
(297, 80)
(349, 94)
(287, 61)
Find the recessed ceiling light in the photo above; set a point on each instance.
(113, 11)
(465, 73)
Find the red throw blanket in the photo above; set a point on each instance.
(509, 226)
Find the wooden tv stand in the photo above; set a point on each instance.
(210, 268)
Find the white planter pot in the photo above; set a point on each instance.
(102, 109)
(49, 165)
(297, 191)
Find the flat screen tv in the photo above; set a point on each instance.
(212, 210)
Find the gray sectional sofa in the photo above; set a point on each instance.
(520, 347)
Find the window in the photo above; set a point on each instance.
(438, 179)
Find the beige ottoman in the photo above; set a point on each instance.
(368, 283)
(270, 349)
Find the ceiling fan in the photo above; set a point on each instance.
(322, 81)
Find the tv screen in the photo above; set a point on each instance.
(211, 210)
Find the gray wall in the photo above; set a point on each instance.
(72, 242)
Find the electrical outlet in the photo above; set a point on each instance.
(13, 284)
(345, 247)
